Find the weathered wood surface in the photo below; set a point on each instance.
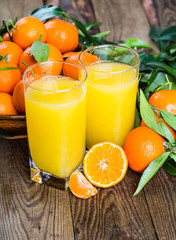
(29, 210)
(17, 8)
(32, 211)
(161, 12)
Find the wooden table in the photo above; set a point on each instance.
(33, 211)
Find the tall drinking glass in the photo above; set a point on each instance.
(111, 92)
(56, 120)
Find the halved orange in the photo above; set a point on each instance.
(80, 186)
(105, 164)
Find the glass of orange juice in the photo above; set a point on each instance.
(111, 92)
(56, 120)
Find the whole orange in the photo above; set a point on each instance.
(28, 29)
(165, 100)
(143, 145)
(18, 97)
(12, 50)
(26, 57)
(8, 78)
(6, 105)
(62, 35)
(6, 36)
(72, 71)
(68, 54)
(18, 92)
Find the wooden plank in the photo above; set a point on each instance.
(150, 12)
(29, 210)
(162, 11)
(123, 18)
(161, 195)
(17, 8)
(161, 191)
(113, 213)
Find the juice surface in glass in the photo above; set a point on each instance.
(111, 100)
(56, 124)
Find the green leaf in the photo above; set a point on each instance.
(169, 118)
(163, 66)
(173, 156)
(167, 132)
(164, 56)
(148, 116)
(80, 26)
(170, 166)
(137, 121)
(47, 12)
(171, 49)
(169, 34)
(150, 80)
(161, 82)
(40, 51)
(151, 170)
(101, 34)
(1, 39)
(101, 41)
(7, 27)
(89, 25)
(155, 34)
(145, 62)
(135, 42)
(9, 68)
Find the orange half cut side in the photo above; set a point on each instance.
(105, 164)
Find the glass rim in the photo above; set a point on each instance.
(54, 91)
(106, 46)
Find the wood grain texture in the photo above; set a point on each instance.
(113, 214)
(17, 8)
(165, 12)
(29, 210)
(15, 124)
(150, 11)
(161, 195)
(123, 18)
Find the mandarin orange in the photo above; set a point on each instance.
(18, 97)
(62, 35)
(6, 105)
(165, 100)
(6, 36)
(27, 30)
(8, 78)
(143, 145)
(12, 50)
(73, 72)
(18, 92)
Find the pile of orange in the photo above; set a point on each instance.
(60, 36)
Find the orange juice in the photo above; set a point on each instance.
(56, 124)
(111, 100)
